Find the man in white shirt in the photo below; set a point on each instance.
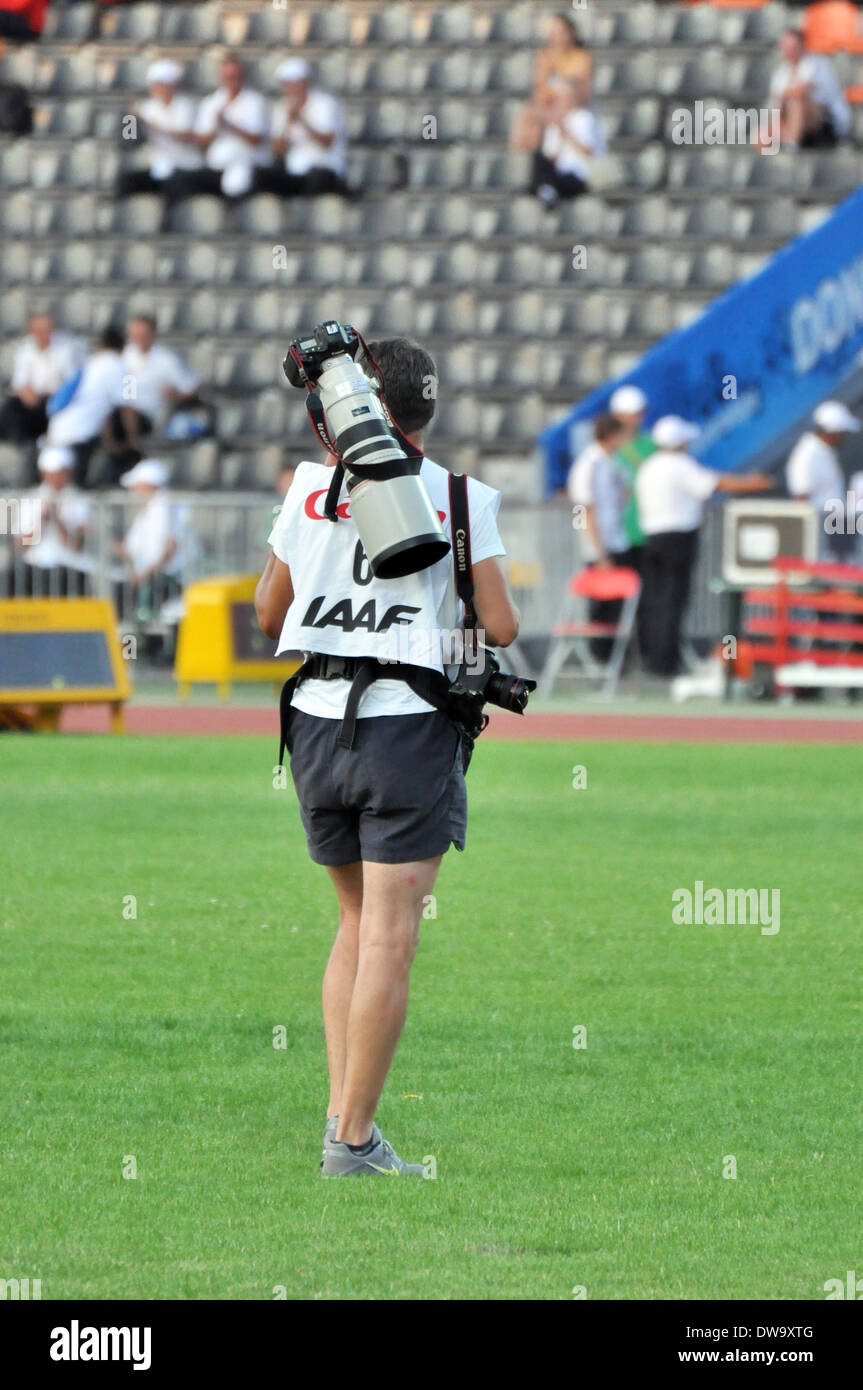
(152, 543)
(571, 140)
(168, 118)
(380, 813)
(55, 564)
(599, 491)
(232, 128)
(99, 409)
(44, 360)
(814, 111)
(814, 474)
(671, 488)
(159, 381)
(309, 140)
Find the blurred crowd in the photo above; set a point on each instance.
(237, 142)
(638, 499)
(102, 405)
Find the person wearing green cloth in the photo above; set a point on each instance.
(628, 404)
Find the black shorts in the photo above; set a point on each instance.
(396, 797)
(823, 136)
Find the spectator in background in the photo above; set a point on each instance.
(45, 361)
(54, 560)
(628, 404)
(99, 409)
(22, 20)
(168, 118)
(563, 61)
(309, 141)
(159, 382)
(814, 474)
(573, 136)
(156, 547)
(232, 128)
(813, 109)
(671, 488)
(599, 491)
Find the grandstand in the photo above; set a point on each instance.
(441, 242)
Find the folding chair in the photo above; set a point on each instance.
(572, 633)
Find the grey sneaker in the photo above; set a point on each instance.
(381, 1160)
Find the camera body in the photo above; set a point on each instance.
(397, 524)
(476, 686)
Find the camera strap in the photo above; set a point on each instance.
(460, 520)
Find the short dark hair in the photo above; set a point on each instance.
(410, 381)
(605, 427)
(112, 339)
(571, 25)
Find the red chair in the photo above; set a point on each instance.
(573, 633)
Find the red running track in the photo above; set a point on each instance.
(587, 724)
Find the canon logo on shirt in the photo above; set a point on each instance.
(313, 502)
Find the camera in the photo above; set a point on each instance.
(473, 688)
(399, 528)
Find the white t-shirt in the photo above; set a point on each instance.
(100, 390)
(168, 153)
(154, 372)
(228, 152)
(813, 472)
(157, 523)
(325, 115)
(339, 606)
(826, 87)
(74, 511)
(45, 369)
(597, 480)
(671, 489)
(582, 125)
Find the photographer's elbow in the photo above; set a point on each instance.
(505, 632)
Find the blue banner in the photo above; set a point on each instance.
(758, 359)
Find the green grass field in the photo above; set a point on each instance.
(600, 1167)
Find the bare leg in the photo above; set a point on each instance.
(389, 927)
(799, 117)
(340, 973)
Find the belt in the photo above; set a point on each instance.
(361, 671)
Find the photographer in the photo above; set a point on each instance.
(382, 807)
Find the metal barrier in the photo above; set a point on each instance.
(227, 534)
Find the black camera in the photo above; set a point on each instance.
(307, 355)
(474, 687)
(390, 506)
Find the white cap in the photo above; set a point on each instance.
(627, 400)
(672, 432)
(53, 459)
(166, 71)
(835, 418)
(152, 471)
(293, 70)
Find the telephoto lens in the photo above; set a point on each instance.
(399, 528)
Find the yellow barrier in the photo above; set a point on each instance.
(219, 641)
(56, 652)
